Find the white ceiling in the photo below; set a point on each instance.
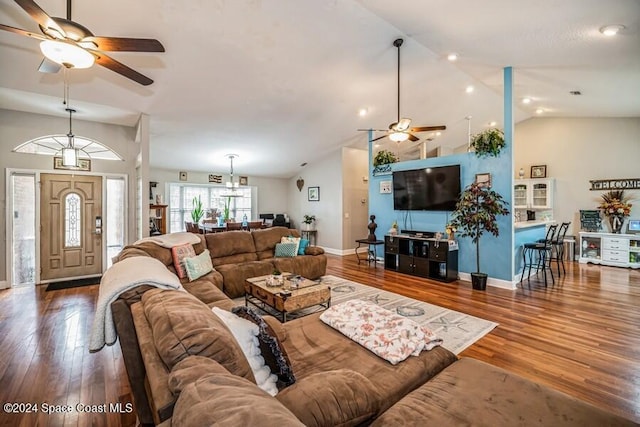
(281, 82)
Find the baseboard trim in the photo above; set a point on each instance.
(496, 283)
(4, 284)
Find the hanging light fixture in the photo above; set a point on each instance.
(70, 152)
(66, 54)
(231, 183)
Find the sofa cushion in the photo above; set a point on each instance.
(231, 247)
(228, 400)
(179, 254)
(246, 335)
(291, 239)
(471, 392)
(271, 349)
(191, 369)
(265, 240)
(310, 267)
(235, 275)
(303, 246)
(333, 398)
(286, 250)
(198, 266)
(182, 326)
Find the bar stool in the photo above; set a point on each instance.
(540, 253)
(557, 252)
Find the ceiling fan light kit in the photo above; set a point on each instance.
(67, 54)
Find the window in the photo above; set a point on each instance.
(72, 221)
(212, 197)
(23, 225)
(115, 226)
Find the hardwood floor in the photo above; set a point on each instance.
(580, 336)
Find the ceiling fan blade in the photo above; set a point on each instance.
(122, 69)
(39, 15)
(413, 137)
(48, 66)
(380, 137)
(124, 44)
(375, 130)
(427, 128)
(22, 32)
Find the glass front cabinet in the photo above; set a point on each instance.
(619, 250)
(533, 194)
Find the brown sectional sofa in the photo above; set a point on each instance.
(186, 370)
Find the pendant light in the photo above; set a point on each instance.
(232, 185)
(70, 152)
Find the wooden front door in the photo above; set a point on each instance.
(69, 244)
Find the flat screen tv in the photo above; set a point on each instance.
(429, 189)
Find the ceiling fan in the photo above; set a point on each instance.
(69, 44)
(400, 131)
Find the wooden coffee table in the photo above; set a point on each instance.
(295, 294)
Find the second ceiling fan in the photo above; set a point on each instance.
(400, 131)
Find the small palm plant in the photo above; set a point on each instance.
(197, 212)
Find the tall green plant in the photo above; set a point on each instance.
(197, 212)
(227, 207)
(476, 213)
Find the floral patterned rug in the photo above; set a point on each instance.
(457, 330)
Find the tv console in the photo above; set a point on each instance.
(422, 256)
(415, 233)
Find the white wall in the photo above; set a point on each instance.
(577, 150)
(18, 127)
(272, 195)
(326, 173)
(355, 197)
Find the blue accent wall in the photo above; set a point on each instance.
(496, 253)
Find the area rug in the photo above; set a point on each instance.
(457, 330)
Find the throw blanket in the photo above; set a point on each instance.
(387, 334)
(120, 277)
(172, 239)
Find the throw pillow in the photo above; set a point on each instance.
(303, 245)
(179, 254)
(198, 266)
(291, 239)
(271, 349)
(246, 334)
(286, 250)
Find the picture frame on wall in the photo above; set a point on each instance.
(83, 165)
(483, 179)
(539, 171)
(243, 180)
(217, 179)
(313, 194)
(183, 176)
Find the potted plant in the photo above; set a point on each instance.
(488, 143)
(197, 212)
(225, 212)
(476, 213)
(307, 222)
(384, 157)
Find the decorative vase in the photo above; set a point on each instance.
(616, 221)
(306, 227)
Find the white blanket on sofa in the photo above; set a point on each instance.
(172, 239)
(387, 334)
(120, 277)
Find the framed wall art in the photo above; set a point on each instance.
(483, 179)
(539, 171)
(314, 194)
(243, 180)
(183, 176)
(83, 165)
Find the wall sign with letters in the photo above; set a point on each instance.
(615, 184)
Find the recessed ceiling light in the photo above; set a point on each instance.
(452, 57)
(469, 89)
(438, 133)
(611, 30)
(539, 111)
(363, 112)
(492, 124)
(526, 100)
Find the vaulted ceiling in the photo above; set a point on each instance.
(281, 82)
